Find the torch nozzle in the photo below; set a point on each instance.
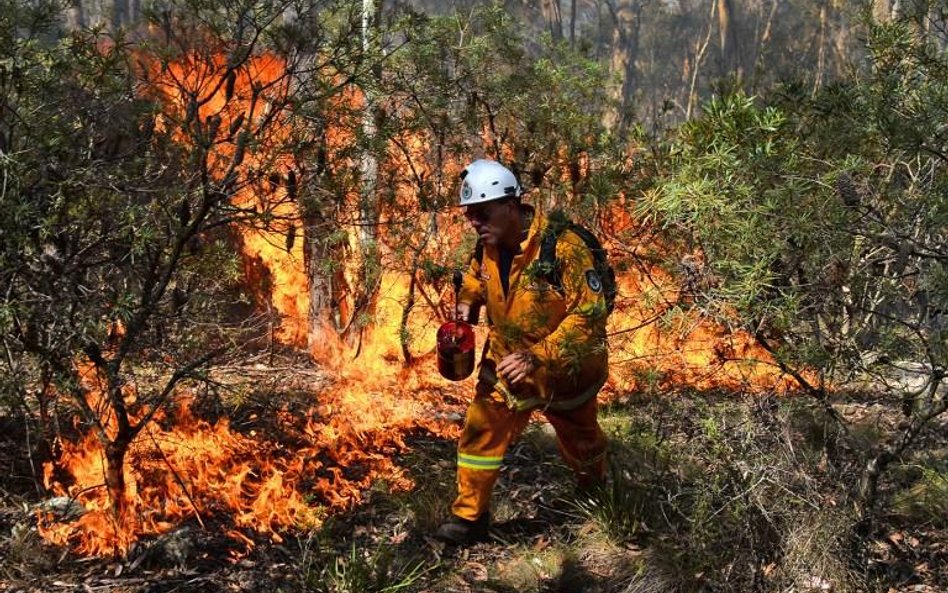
(456, 280)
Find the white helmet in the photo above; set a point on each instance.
(483, 181)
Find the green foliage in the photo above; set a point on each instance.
(379, 570)
(725, 495)
(76, 185)
(731, 190)
(822, 219)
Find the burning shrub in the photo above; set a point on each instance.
(127, 166)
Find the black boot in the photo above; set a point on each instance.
(461, 532)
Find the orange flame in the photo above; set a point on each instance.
(182, 467)
(292, 473)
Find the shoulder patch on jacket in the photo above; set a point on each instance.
(601, 275)
(593, 281)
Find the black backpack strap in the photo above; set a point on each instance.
(550, 266)
(591, 240)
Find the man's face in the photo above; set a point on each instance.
(493, 221)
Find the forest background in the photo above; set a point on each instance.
(206, 203)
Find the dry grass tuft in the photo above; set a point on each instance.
(816, 547)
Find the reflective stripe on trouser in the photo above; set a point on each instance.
(489, 429)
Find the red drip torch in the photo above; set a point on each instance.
(456, 344)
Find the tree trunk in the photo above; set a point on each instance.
(119, 13)
(363, 293)
(625, 48)
(403, 322)
(842, 49)
(329, 293)
(763, 38)
(368, 165)
(553, 17)
(694, 68)
(885, 10)
(820, 50)
(730, 55)
(75, 17)
(115, 474)
(885, 454)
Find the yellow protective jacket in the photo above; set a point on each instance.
(563, 327)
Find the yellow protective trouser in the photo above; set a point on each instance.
(491, 426)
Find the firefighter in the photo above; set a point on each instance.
(546, 347)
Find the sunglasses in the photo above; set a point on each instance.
(482, 212)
